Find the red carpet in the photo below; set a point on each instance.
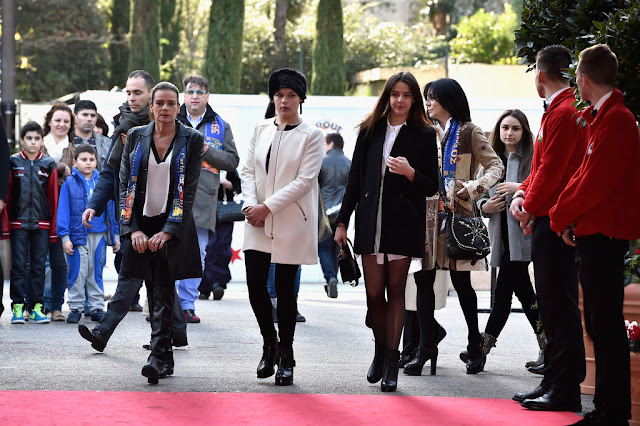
(161, 408)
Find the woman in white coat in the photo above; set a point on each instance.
(279, 183)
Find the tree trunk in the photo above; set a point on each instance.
(145, 37)
(328, 51)
(279, 23)
(223, 61)
(119, 46)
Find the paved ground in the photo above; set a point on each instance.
(333, 350)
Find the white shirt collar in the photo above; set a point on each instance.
(197, 120)
(395, 127)
(446, 126)
(552, 97)
(602, 101)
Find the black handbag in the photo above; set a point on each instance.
(229, 211)
(467, 238)
(349, 269)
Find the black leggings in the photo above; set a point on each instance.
(513, 277)
(468, 302)
(386, 314)
(257, 265)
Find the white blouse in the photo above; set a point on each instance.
(389, 140)
(158, 181)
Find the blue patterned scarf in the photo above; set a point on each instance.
(177, 207)
(452, 139)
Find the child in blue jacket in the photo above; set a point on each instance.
(85, 248)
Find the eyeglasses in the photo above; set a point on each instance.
(195, 92)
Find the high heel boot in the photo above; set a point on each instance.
(268, 360)
(284, 375)
(414, 368)
(160, 333)
(375, 370)
(488, 342)
(390, 373)
(477, 358)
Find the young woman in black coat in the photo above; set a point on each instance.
(394, 167)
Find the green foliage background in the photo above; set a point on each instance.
(63, 43)
(223, 63)
(581, 23)
(328, 51)
(486, 37)
(145, 37)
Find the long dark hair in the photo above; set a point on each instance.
(524, 150)
(417, 115)
(60, 106)
(450, 95)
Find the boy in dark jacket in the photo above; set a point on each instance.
(29, 218)
(85, 248)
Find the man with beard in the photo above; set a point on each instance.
(134, 112)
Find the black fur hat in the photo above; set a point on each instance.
(287, 78)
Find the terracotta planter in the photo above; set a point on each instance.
(589, 385)
(631, 311)
(635, 389)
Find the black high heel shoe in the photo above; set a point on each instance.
(414, 368)
(269, 353)
(374, 375)
(477, 359)
(390, 374)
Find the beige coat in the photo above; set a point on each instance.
(289, 189)
(474, 151)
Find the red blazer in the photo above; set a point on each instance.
(602, 197)
(557, 154)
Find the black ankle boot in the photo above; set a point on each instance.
(390, 374)
(375, 371)
(167, 365)
(476, 361)
(269, 353)
(414, 368)
(152, 370)
(284, 375)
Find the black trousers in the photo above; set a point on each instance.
(601, 265)
(119, 304)
(556, 276)
(513, 278)
(257, 264)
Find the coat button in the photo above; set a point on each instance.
(366, 194)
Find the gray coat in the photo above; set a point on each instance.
(206, 201)
(519, 244)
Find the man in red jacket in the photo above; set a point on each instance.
(558, 152)
(598, 213)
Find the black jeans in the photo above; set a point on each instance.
(513, 277)
(601, 265)
(257, 264)
(556, 274)
(28, 245)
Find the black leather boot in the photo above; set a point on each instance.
(284, 375)
(476, 361)
(161, 319)
(268, 360)
(390, 374)
(488, 342)
(414, 368)
(375, 370)
(167, 365)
